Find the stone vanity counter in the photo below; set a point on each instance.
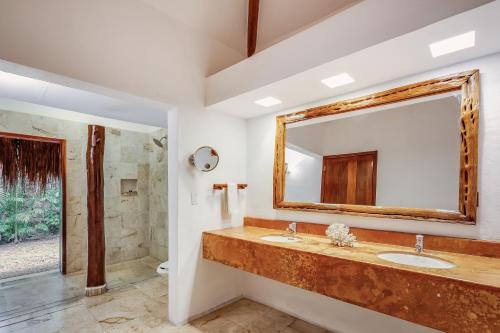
(465, 298)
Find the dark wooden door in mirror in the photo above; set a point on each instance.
(349, 178)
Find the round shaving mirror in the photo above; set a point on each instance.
(205, 159)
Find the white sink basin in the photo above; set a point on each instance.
(281, 239)
(415, 260)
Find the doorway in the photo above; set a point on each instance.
(350, 178)
(32, 205)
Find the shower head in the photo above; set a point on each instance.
(159, 142)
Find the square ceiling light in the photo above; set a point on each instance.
(268, 101)
(453, 44)
(337, 80)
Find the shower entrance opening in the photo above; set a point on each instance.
(32, 205)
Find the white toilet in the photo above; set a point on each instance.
(162, 268)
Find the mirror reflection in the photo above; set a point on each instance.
(405, 154)
(205, 159)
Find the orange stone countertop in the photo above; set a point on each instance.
(465, 298)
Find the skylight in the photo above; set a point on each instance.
(268, 101)
(337, 80)
(453, 44)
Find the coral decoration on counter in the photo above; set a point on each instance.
(339, 235)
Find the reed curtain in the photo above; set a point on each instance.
(29, 161)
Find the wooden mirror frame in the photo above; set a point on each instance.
(466, 82)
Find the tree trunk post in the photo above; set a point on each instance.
(96, 274)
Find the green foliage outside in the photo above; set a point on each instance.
(28, 213)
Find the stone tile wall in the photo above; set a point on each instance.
(158, 198)
(128, 155)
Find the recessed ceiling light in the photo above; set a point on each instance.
(338, 80)
(453, 44)
(268, 101)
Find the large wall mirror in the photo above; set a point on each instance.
(409, 152)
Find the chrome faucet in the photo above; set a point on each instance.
(419, 244)
(292, 228)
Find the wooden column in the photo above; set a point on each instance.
(96, 274)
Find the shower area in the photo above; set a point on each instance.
(135, 197)
(135, 192)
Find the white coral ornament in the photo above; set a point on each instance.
(339, 235)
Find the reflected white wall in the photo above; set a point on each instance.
(418, 149)
(303, 175)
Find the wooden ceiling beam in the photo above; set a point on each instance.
(253, 18)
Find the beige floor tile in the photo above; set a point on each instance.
(129, 310)
(170, 329)
(136, 302)
(51, 302)
(154, 288)
(251, 317)
(111, 295)
(151, 262)
(247, 317)
(278, 317)
(217, 324)
(70, 320)
(305, 327)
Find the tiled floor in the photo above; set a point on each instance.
(245, 316)
(136, 302)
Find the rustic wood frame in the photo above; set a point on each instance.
(467, 82)
(62, 159)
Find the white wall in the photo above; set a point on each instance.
(418, 150)
(128, 46)
(201, 284)
(337, 315)
(303, 175)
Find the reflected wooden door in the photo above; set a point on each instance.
(350, 179)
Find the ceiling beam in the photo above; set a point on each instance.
(253, 18)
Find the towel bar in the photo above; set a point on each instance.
(223, 186)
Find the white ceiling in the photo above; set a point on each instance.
(21, 93)
(279, 19)
(11, 105)
(396, 58)
(226, 20)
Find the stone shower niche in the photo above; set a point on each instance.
(128, 187)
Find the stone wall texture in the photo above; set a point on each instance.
(135, 223)
(158, 201)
